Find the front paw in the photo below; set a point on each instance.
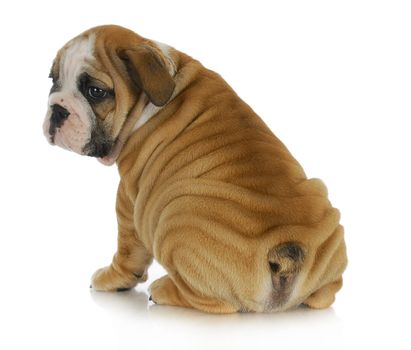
(111, 279)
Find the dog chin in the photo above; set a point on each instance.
(91, 148)
(63, 141)
(97, 149)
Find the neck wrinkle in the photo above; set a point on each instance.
(147, 142)
(125, 131)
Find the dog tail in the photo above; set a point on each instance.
(285, 261)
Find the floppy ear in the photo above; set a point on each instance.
(148, 72)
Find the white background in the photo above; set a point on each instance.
(332, 79)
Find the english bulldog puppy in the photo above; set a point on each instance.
(206, 189)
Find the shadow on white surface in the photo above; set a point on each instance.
(135, 304)
(132, 315)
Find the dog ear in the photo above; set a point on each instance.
(149, 73)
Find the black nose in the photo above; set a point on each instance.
(58, 116)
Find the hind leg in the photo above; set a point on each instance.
(166, 292)
(325, 296)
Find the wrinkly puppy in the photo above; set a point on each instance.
(206, 189)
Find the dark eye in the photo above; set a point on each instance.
(96, 93)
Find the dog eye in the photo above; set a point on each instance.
(96, 93)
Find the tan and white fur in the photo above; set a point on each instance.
(206, 189)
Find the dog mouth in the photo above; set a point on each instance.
(98, 149)
(73, 134)
(99, 144)
(59, 139)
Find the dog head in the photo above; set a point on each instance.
(98, 79)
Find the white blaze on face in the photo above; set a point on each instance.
(75, 133)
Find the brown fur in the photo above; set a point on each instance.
(209, 192)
